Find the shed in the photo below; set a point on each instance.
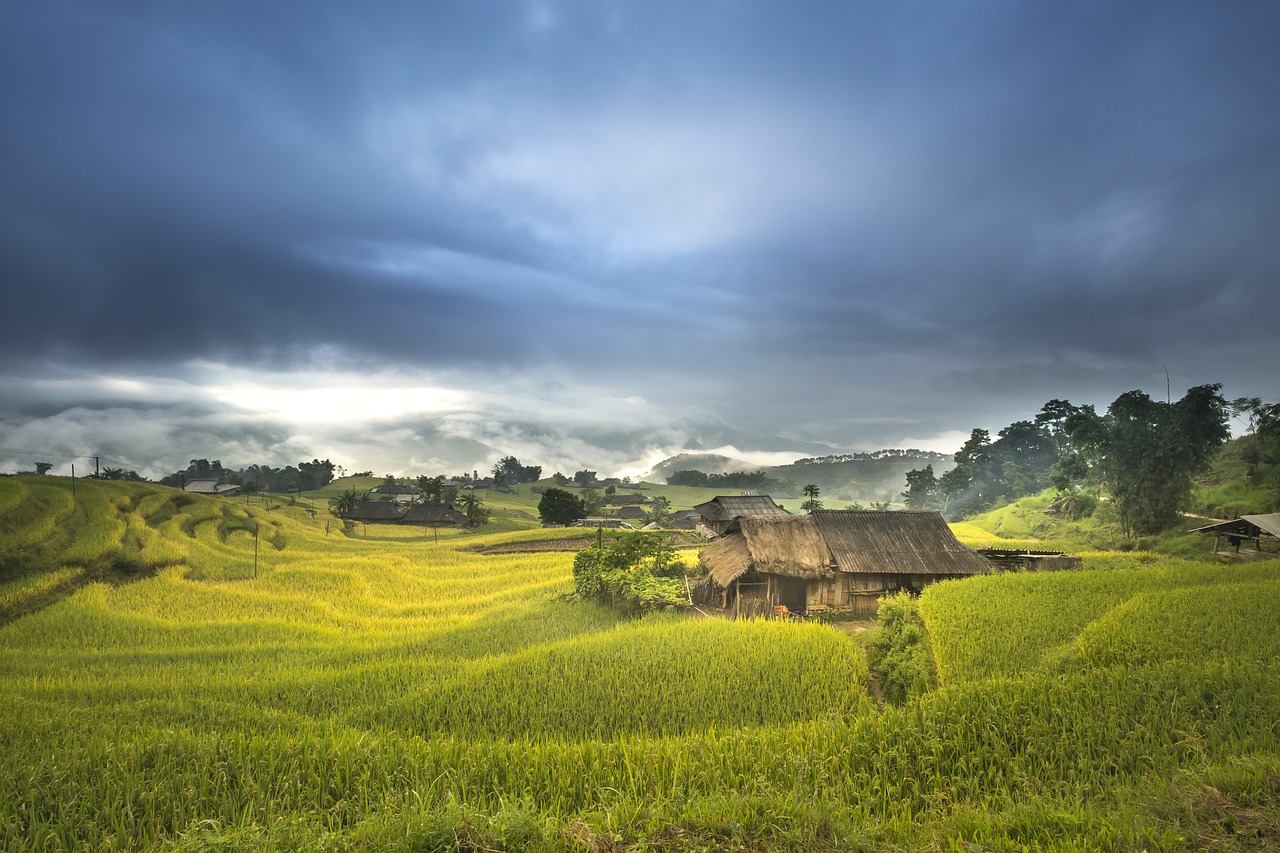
(1030, 561)
(1245, 528)
(212, 487)
(721, 513)
(841, 559)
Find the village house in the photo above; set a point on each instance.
(722, 513)
(831, 559)
(212, 487)
(379, 512)
(434, 514)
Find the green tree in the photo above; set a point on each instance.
(560, 507)
(811, 501)
(584, 477)
(343, 504)
(922, 488)
(636, 571)
(42, 468)
(474, 509)
(657, 510)
(1146, 452)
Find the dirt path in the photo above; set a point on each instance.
(857, 631)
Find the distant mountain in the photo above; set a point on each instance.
(880, 475)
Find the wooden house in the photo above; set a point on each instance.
(831, 559)
(376, 512)
(722, 513)
(630, 511)
(434, 514)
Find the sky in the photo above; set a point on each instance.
(417, 237)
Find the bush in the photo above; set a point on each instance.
(900, 651)
(635, 570)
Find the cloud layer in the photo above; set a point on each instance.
(620, 227)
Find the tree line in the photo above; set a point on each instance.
(1142, 454)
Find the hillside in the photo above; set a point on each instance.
(859, 477)
(374, 689)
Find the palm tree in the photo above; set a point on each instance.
(811, 498)
(346, 502)
(473, 505)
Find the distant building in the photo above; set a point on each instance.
(212, 487)
(384, 512)
(1254, 529)
(607, 523)
(721, 513)
(435, 515)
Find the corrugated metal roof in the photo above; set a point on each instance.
(904, 542)
(726, 507)
(1269, 523)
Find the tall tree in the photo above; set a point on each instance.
(922, 488)
(474, 509)
(560, 507)
(811, 501)
(1146, 452)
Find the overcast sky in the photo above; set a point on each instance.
(414, 237)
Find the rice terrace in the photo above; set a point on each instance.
(193, 672)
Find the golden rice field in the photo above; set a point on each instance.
(378, 690)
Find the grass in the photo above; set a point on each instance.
(379, 690)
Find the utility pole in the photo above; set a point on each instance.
(95, 467)
(73, 482)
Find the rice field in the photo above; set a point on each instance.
(379, 690)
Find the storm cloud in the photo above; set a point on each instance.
(415, 235)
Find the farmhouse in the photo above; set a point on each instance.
(434, 514)
(721, 514)
(1245, 528)
(630, 511)
(212, 487)
(385, 512)
(844, 559)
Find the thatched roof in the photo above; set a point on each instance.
(904, 542)
(829, 541)
(727, 559)
(788, 545)
(434, 514)
(375, 511)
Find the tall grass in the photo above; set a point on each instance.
(383, 691)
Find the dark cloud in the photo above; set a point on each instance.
(844, 223)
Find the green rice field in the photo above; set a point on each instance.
(181, 672)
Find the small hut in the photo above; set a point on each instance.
(1012, 560)
(722, 513)
(433, 514)
(832, 559)
(212, 487)
(1245, 528)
